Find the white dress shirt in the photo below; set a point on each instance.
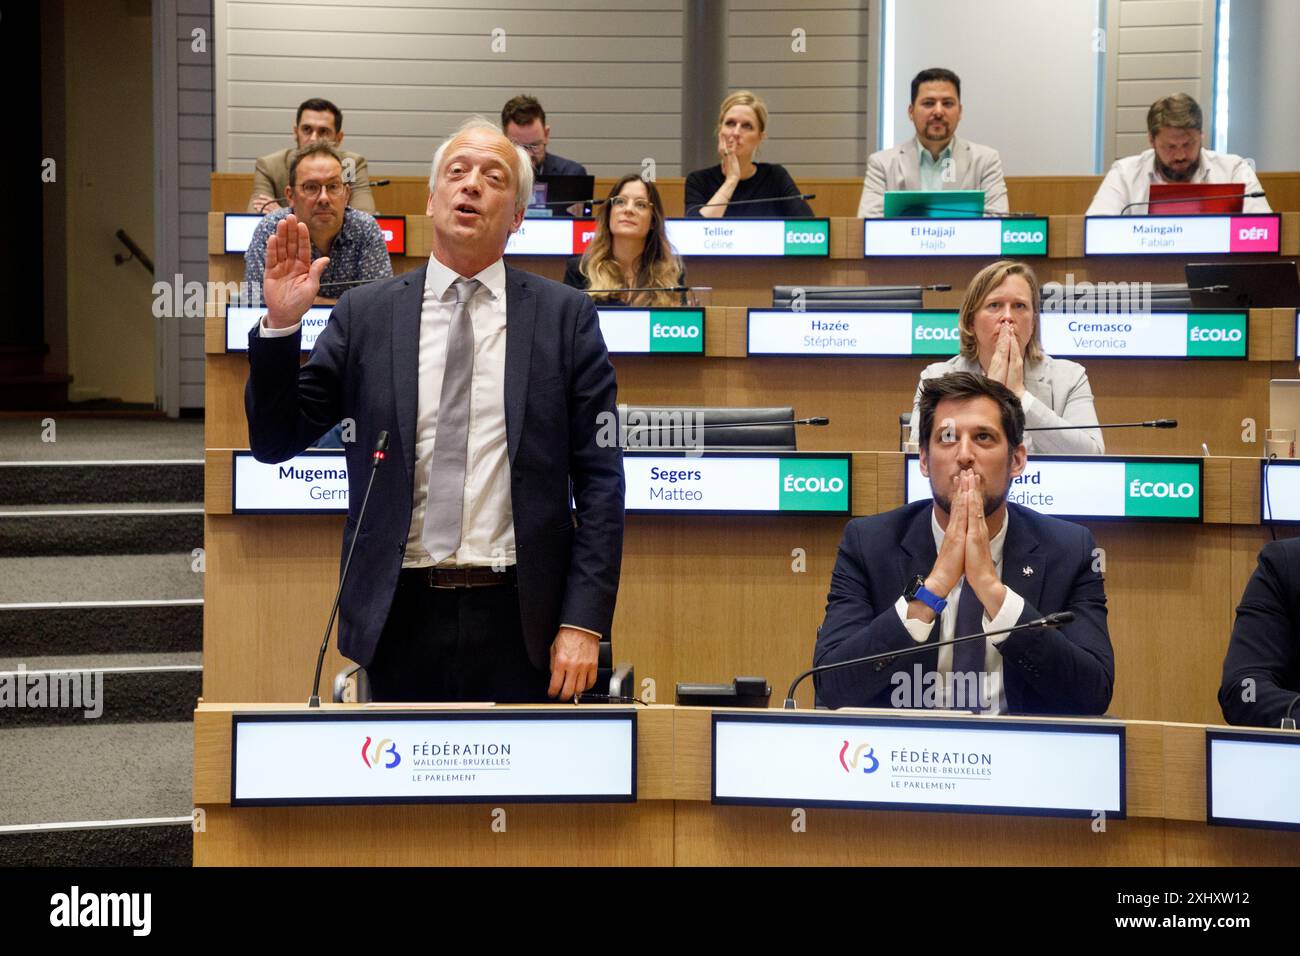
(1130, 179)
(1012, 607)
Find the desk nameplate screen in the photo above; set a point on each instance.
(1279, 490)
(557, 755)
(696, 482)
(1088, 487)
(1200, 334)
(954, 237)
(1181, 235)
(1252, 779)
(631, 331)
(963, 765)
(690, 237)
(852, 332)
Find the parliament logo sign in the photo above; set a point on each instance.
(869, 765)
(373, 758)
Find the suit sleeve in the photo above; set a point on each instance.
(994, 186)
(1111, 196)
(263, 185)
(1265, 645)
(855, 627)
(362, 196)
(1073, 666)
(1078, 410)
(289, 406)
(596, 471)
(872, 203)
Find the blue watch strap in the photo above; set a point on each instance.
(931, 600)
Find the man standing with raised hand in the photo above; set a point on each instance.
(965, 562)
(479, 582)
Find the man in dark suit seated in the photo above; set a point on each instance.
(967, 561)
(524, 122)
(472, 578)
(1261, 672)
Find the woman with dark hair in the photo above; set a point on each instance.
(630, 251)
(1001, 337)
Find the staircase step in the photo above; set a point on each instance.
(101, 627)
(162, 841)
(112, 688)
(92, 578)
(104, 481)
(99, 529)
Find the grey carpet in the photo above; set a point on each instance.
(97, 578)
(100, 439)
(103, 772)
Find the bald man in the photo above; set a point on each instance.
(481, 582)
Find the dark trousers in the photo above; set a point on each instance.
(454, 644)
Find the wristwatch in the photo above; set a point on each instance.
(916, 591)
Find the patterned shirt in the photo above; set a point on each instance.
(357, 252)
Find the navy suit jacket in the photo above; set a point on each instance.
(1067, 670)
(558, 382)
(1265, 645)
(553, 165)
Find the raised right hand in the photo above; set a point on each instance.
(729, 161)
(291, 281)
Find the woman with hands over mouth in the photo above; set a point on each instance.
(726, 189)
(1001, 338)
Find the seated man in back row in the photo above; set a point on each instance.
(967, 562)
(935, 158)
(317, 121)
(1175, 156)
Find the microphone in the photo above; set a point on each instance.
(1257, 194)
(1047, 620)
(377, 456)
(627, 430)
(745, 202)
(1154, 423)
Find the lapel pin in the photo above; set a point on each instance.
(1027, 571)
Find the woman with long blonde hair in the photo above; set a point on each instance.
(630, 251)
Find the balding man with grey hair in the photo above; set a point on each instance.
(481, 582)
(1176, 156)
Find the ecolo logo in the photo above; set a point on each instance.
(1010, 235)
(794, 238)
(1160, 489)
(870, 765)
(661, 331)
(819, 484)
(934, 332)
(1202, 334)
(371, 757)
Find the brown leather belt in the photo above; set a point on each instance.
(462, 577)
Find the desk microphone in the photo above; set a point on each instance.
(1154, 423)
(745, 202)
(1048, 620)
(1257, 194)
(628, 429)
(377, 456)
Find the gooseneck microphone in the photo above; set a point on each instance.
(745, 202)
(1257, 194)
(377, 456)
(1048, 620)
(1154, 423)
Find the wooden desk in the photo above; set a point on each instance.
(673, 822)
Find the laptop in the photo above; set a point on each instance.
(934, 204)
(1261, 285)
(561, 196)
(1227, 199)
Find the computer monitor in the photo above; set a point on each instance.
(562, 196)
(1227, 199)
(1261, 285)
(934, 204)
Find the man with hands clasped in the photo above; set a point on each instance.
(966, 561)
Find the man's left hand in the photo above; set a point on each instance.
(981, 572)
(574, 657)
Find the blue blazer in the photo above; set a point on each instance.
(1068, 670)
(558, 383)
(1265, 644)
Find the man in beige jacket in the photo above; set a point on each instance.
(317, 120)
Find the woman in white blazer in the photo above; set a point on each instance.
(1000, 337)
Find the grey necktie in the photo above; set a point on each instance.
(445, 501)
